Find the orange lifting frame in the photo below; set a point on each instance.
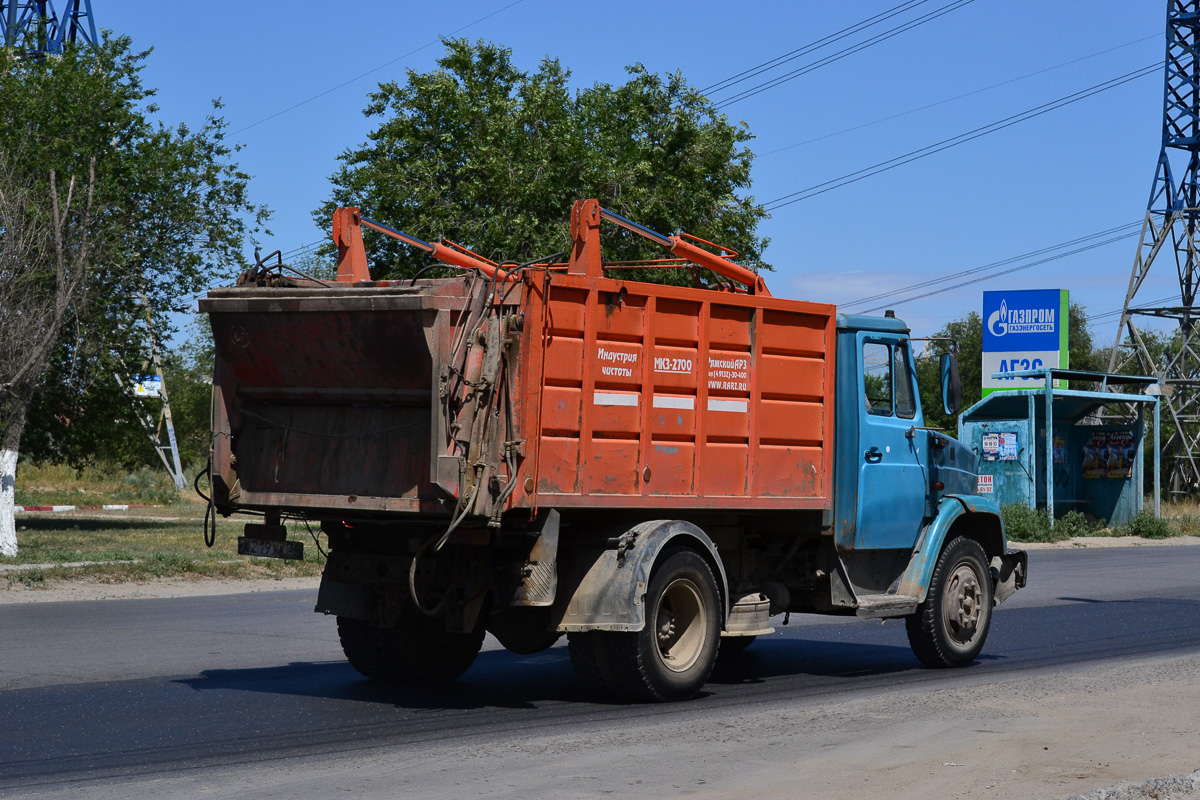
(585, 253)
(585, 259)
(352, 254)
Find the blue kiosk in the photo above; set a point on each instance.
(1087, 463)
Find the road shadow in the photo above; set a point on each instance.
(497, 679)
(500, 679)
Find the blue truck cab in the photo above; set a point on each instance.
(913, 538)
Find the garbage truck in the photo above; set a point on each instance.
(532, 450)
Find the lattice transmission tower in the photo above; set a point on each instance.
(1171, 223)
(36, 23)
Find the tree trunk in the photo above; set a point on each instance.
(9, 444)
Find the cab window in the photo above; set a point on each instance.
(906, 404)
(877, 378)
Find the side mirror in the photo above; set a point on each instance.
(951, 383)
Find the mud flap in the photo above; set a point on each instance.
(1014, 567)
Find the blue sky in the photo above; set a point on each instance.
(1068, 173)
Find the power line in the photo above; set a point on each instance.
(1126, 228)
(954, 141)
(373, 70)
(303, 249)
(839, 55)
(982, 278)
(791, 55)
(1117, 312)
(958, 97)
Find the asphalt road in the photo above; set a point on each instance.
(145, 697)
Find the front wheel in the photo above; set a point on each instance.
(949, 628)
(673, 655)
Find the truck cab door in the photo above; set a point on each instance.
(892, 479)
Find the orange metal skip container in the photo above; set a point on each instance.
(622, 394)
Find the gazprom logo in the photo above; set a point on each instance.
(998, 322)
(1006, 320)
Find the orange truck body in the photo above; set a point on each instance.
(621, 394)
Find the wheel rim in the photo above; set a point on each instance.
(962, 604)
(680, 622)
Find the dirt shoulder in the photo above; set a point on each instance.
(85, 589)
(1106, 541)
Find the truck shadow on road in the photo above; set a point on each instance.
(500, 679)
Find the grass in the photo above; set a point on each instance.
(98, 484)
(164, 541)
(1023, 524)
(121, 548)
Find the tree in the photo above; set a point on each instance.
(967, 335)
(44, 266)
(484, 154)
(168, 211)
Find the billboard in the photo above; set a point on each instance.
(1023, 329)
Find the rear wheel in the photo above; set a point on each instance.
(950, 627)
(360, 646)
(734, 645)
(421, 649)
(523, 631)
(673, 655)
(590, 658)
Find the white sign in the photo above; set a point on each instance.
(985, 484)
(148, 386)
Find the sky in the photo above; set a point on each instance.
(294, 79)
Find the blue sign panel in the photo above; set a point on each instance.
(1023, 330)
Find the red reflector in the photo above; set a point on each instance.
(938, 486)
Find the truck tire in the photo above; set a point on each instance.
(421, 649)
(361, 648)
(673, 655)
(523, 631)
(950, 627)
(735, 645)
(590, 658)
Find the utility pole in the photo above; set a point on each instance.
(1170, 228)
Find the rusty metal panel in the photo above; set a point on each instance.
(323, 397)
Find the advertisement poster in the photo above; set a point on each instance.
(1109, 454)
(991, 446)
(1060, 450)
(1121, 452)
(1008, 446)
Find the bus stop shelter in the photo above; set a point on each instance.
(1089, 462)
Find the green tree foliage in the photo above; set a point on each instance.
(486, 155)
(172, 212)
(967, 334)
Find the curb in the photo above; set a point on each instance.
(121, 507)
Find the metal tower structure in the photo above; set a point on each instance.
(50, 32)
(1171, 222)
(149, 386)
